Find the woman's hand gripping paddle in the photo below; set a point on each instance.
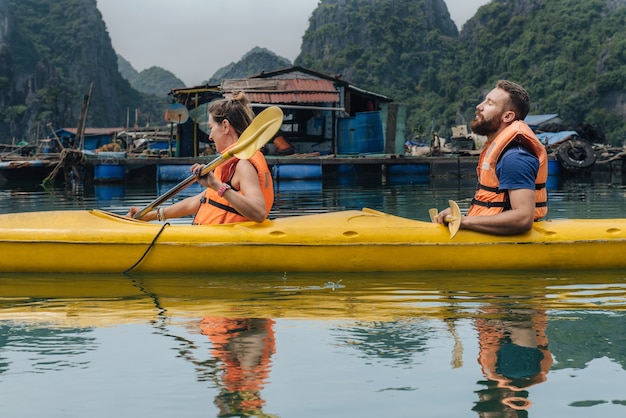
(263, 128)
(453, 220)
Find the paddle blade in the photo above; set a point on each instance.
(263, 128)
(432, 212)
(454, 219)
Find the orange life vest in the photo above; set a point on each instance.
(217, 210)
(489, 199)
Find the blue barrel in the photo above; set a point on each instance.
(297, 171)
(173, 172)
(554, 182)
(109, 172)
(362, 134)
(346, 134)
(554, 167)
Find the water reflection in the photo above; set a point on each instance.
(395, 340)
(497, 342)
(240, 358)
(95, 299)
(106, 192)
(26, 348)
(243, 347)
(513, 356)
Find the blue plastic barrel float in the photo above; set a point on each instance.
(361, 134)
(297, 171)
(105, 172)
(172, 172)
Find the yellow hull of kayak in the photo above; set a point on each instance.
(348, 241)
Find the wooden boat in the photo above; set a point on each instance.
(27, 168)
(345, 241)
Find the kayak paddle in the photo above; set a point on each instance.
(453, 220)
(263, 128)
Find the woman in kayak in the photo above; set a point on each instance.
(237, 190)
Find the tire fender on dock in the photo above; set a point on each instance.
(576, 155)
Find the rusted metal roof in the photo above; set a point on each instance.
(292, 90)
(337, 80)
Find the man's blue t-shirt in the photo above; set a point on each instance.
(517, 169)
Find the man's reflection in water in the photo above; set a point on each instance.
(513, 355)
(243, 347)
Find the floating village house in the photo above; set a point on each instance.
(324, 114)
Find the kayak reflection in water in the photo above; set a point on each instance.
(513, 355)
(243, 347)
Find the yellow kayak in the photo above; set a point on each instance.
(346, 241)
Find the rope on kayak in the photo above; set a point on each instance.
(147, 249)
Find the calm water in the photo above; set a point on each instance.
(454, 344)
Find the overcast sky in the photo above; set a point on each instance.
(195, 38)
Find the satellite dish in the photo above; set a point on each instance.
(176, 113)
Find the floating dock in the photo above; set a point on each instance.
(119, 168)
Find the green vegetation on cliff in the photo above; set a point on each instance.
(52, 52)
(569, 54)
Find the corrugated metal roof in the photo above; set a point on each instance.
(553, 138)
(536, 120)
(293, 90)
(337, 80)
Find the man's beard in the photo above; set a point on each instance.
(484, 126)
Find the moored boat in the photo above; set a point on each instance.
(345, 241)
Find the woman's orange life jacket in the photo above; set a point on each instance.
(217, 210)
(489, 199)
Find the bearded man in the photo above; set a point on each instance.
(512, 168)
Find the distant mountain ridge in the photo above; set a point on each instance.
(253, 62)
(158, 81)
(569, 54)
(154, 80)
